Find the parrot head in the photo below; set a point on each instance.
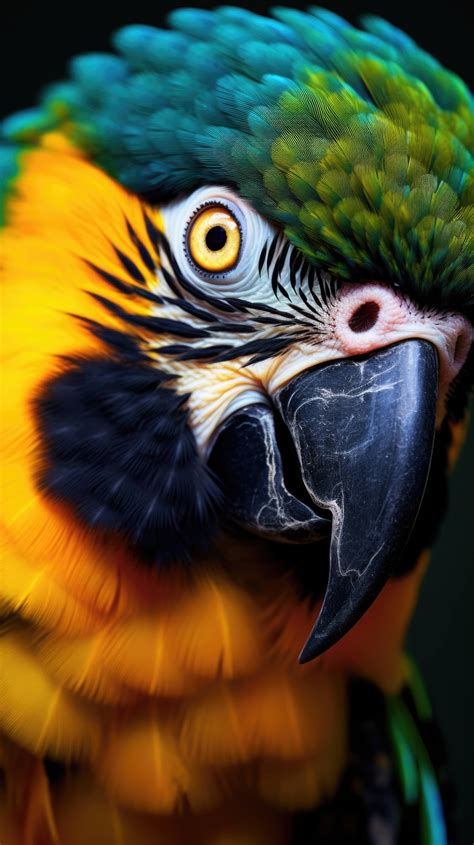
(278, 274)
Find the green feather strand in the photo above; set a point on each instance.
(415, 771)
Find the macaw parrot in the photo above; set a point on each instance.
(238, 298)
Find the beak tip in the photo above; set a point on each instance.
(305, 657)
(313, 647)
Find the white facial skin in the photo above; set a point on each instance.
(353, 319)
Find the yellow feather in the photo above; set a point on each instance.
(141, 767)
(63, 211)
(35, 595)
(214, 631)
(140, 653)
(275, 714)
(76, 665)
(43, 534)
(39, 714)
(155, 653)
(207, 630)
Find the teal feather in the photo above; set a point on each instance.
(26, 126)
(193, 22)
(277, 106)
(260, 58)
(9, 168)
(87, 70)
(332, 19)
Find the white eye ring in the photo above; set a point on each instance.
(242, 279)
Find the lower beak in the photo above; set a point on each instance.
(363, 429)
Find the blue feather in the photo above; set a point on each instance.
(96, 72)
(194, 22)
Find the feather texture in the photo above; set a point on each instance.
(177, 694)
(38, 714)
(29, 816)
(273, 715)
(282, 107)
(163, 780)
(103, 822)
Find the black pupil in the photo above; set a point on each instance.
(216, 238)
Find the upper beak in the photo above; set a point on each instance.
(363, 430)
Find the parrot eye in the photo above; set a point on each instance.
(214, 238)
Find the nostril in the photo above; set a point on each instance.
(364, 317)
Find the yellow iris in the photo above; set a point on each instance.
(214, 239)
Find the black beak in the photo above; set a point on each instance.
(363, 430)
(247, 460)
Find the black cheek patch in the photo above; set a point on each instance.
(117, 448)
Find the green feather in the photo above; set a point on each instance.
(404, 758)
(357, 142)
(415, 770)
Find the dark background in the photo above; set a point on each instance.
(36, 42)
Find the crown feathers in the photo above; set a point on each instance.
(279, 106)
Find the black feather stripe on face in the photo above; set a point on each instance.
(218, 320)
